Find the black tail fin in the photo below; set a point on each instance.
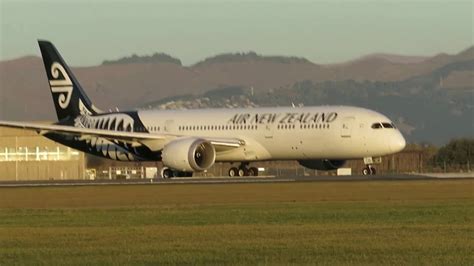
(68, 96)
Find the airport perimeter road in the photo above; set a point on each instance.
(221, 180)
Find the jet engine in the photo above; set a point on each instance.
(189, 154)
(322, 165)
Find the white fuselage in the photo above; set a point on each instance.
(325, 132)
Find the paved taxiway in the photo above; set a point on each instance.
(224, 180)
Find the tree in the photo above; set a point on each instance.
(457, 151)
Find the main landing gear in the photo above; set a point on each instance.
(369, 170)
(243, 170)
(167, 173)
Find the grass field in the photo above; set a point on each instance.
(342, 223)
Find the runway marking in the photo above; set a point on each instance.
(222, 180)
(151, 182)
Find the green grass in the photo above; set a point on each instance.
(327, 223)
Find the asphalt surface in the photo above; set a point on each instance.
(220, 180)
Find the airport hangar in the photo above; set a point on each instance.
(25, 155)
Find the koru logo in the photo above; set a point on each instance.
(61, 86)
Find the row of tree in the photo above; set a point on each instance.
(456, 152)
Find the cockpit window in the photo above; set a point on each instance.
(376, 125)
(387, 125)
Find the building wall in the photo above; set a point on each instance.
(25, 155)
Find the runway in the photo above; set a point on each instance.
(232, 180)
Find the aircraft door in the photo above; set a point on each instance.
(169, 126)
(346, 127)
(269, 131)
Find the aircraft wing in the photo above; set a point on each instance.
(153, 141)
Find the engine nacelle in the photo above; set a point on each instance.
(189, 154)
(322, 165)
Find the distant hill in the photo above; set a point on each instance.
(251, 57)
(156, 58)
(393, 58)
(134, 81)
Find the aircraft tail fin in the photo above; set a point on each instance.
(69, 98)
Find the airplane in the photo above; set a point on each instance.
(187, 141)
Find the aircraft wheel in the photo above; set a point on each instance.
(242, 172)
(253, 171)
(366, 171)
(233, 171)
(166, 173)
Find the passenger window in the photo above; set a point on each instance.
(376, 125)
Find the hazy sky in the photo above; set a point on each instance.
(87, 32)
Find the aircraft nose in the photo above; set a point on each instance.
(397, 142)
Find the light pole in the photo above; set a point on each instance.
(16, 158)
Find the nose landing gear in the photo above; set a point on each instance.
(369, 170)
(243, 170)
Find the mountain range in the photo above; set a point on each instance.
(405, 82)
